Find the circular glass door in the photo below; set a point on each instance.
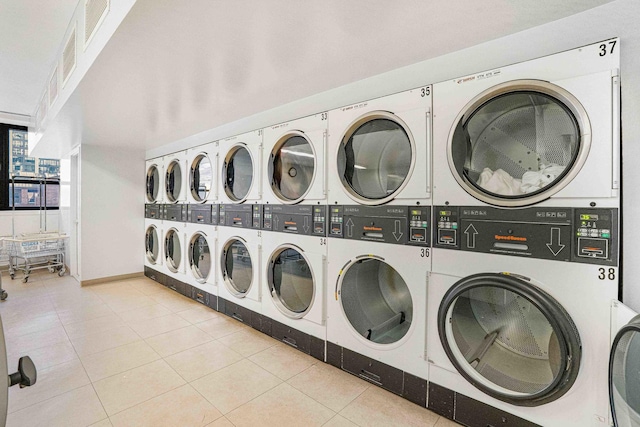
(172, 249)
(238, 173)
(152, 244)
(201, 177)
(291, 167)
(376, 300)
(153, 181)
(237, 268)
(174, 181)
(291, 281)
(509, 338)
(624, 376)
(375, 158)
(519, 142)
(199, 257)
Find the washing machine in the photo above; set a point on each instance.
(175, 178)
(294, 161)
(522, 338)
(201, 256)
(240, 165)
(238, 273)
(624, 367)
(376, 313)
(542, 132)
(155, 174)
(203, 173)
(380, 151)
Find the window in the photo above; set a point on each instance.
(26, 182)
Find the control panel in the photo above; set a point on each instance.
(402, 225)
(201, 214)
(175, 213)
(295, 219)
(242, 216)
(153, 211)
(586, 235)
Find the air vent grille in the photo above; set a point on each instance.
(69, 57)
(94, 12)
(53, 87)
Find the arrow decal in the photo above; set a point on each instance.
(349, 226)
(554, 245)
(276, 221)
(471, 233)
(306, 224)
(397, 233)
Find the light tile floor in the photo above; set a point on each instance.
(133, 353)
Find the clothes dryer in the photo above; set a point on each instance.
(203, 173)
(380, 150)
(201, 260)
(624, 366)
(154, 181)
(174, 253)
(153, 236)
(240, 160)
(293, 286)
(238, 275)
(542, 132)
(376, 312)
(525, 335)
(294, 161)
(175, 178)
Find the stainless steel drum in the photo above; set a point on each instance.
(172, 250)
(199, 257)
(152, 244)
(173, 181)
(519, 142)
(292, 167)
(509, 338)
(237, 268)
(624, 376)
(376, 157)
(237, 173)
(376, 300)
(291, 281)
(153, 180)
(200, 177)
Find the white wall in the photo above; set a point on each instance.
(112, 211)
(616, 19)
(27, 222)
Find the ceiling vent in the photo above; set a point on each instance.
(69, 57)
(94, 13)
(42, 111)
(53, 87)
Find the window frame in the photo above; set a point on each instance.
(6, 181)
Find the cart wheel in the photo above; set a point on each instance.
(3, 295)
(51, 270)
(13, 276)
(26, 279)
(62, 271)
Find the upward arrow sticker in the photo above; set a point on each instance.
(471, 233)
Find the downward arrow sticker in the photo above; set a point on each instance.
(397, 233)
(554, 245)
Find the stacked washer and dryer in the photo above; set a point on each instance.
(456, 244)
(294, 203)
(239, 246)
(525, 251)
